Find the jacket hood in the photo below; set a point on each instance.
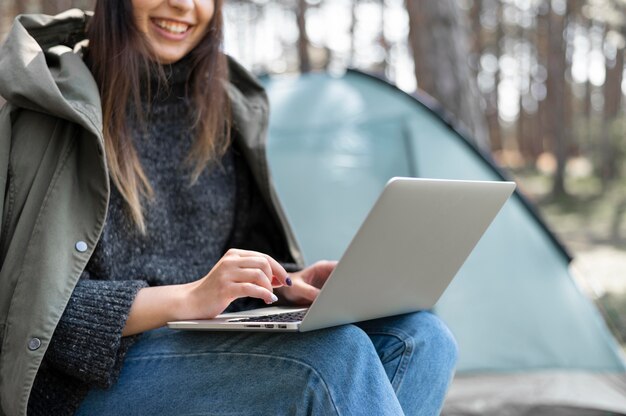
(41, 68)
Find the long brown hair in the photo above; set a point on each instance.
(119, 55)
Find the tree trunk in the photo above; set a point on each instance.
(8, 9)
(524, 145)
(478, 48)
(353, 6)
(303, 39)
(493, 114)
(556, 99)
(84, 4)
(477, 43)
(53, 7)
(542, 140)
(383, 38)
(616, 221)
(438, 35)
(612, 105)
(588, 114)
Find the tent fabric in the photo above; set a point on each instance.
(513, 307)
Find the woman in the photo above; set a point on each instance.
(135, 191)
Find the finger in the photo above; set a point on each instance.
(234, 263)
(257, 262)
(318, 273)
(305, 291)
(263, 264)
(277, 270)
(242, 290)
(254, 276)
(278, 283)
(325, 267)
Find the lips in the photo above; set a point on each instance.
(171, 26)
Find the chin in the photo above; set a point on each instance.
(169, 59)
(167, 55)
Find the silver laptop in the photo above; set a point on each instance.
(407, 251)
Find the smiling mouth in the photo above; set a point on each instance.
(174, 27)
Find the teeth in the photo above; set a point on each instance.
(171, 26)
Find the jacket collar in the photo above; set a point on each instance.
(41, 70)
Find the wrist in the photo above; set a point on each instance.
(154, 307)
(183, 302)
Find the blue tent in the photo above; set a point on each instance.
(530, 342)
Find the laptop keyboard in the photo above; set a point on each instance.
(279, 317)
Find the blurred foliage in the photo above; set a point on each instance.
(613, 306)
(587, 215)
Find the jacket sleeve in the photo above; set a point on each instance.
(88, 343)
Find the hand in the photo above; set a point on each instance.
(239, 273)
(306, 283)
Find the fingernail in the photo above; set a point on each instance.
(288, 281)
(274, 298)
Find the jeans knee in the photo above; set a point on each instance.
(342, 348)
(347, 363)
(347, 340)
(436, 340)
(446, 344)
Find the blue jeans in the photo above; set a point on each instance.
(391, 366)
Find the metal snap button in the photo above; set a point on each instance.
(34, 344)
(81, 246)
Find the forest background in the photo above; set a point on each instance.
(538, 84)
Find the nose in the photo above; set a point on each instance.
(182, 4)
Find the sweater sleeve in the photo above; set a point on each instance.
(87, 343)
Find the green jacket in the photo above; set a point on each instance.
(54, 184)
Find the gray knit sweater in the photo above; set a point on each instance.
(188, 230)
